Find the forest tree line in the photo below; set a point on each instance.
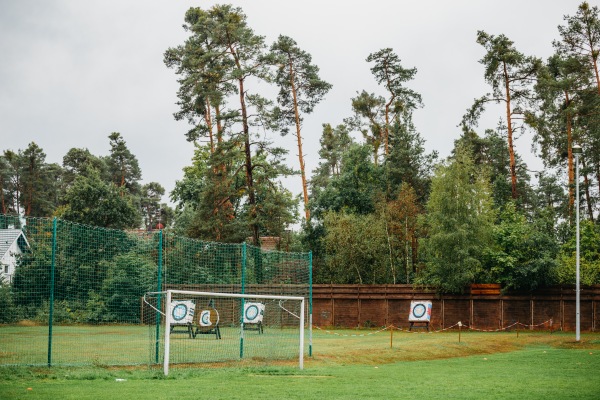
(378, 208)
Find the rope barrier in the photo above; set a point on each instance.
(510, 326)
(458, 324)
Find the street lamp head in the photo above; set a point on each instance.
(576, 149)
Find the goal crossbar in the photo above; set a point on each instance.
(168, 317)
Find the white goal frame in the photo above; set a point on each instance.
(169, 296)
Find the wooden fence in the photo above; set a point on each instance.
(483, 308)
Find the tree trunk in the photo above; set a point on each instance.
(299, 137)
(219, 125)
(571, 171)
(594, 61)
(208, 120)
(247, 151)
(511, 151)
(596, 72)
(415, 252)
(2, 201)
(588, 197)
(386, 132)
(249, 169)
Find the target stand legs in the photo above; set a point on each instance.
(424, 326)
(254, 327)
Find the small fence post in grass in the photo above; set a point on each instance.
(391, 336)
(459, 329)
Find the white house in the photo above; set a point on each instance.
(12, 244)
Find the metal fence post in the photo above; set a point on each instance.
(51, 305)
(158, 289)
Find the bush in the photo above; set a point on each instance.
(7, 305)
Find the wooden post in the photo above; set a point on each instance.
(471, 313)
(531, 310)
(443, 315)
(459, 329)
(501, 313)
(391, 336)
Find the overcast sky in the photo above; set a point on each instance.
(72, 71)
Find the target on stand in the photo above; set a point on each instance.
(182, 312)
(253, 313)
(420, 311)
(208, 317)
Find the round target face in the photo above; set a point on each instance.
(179, 312)
(205, 318)
(251, 312)
(419, 310)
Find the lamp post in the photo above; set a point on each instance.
(576, 150)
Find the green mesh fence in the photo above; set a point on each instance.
(73, 294)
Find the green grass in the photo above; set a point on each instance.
(532, 365)
(107, 345)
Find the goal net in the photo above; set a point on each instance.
(192, 327)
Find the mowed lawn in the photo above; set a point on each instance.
(351, 365)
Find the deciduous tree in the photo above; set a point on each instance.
(459, 221)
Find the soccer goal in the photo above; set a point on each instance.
(194, 327)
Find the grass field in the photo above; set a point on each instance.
(352, 365)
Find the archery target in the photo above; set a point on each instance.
(420, 311)
(253, 313)
(205, 318)
(182, 312)
(208, 318)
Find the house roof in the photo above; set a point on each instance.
(8, 237)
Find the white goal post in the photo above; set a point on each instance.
(173, 316)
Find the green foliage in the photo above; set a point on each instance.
(580, 36)
(28, 185)
(92, 201)
(123, 166)
(369, 119)
(151, 194)
(356, 249)
(354, 189)
(491, 153)
(404, 230)
(81, 162)
(7, 304)
(300, 87)
(589, 256)
(407, 162)
(232, 186)
(335, 141)
(459, 223)
(128, 277)
(523, 256)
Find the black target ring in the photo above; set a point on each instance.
(179, 312)
(419, 310)
(251, 312)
